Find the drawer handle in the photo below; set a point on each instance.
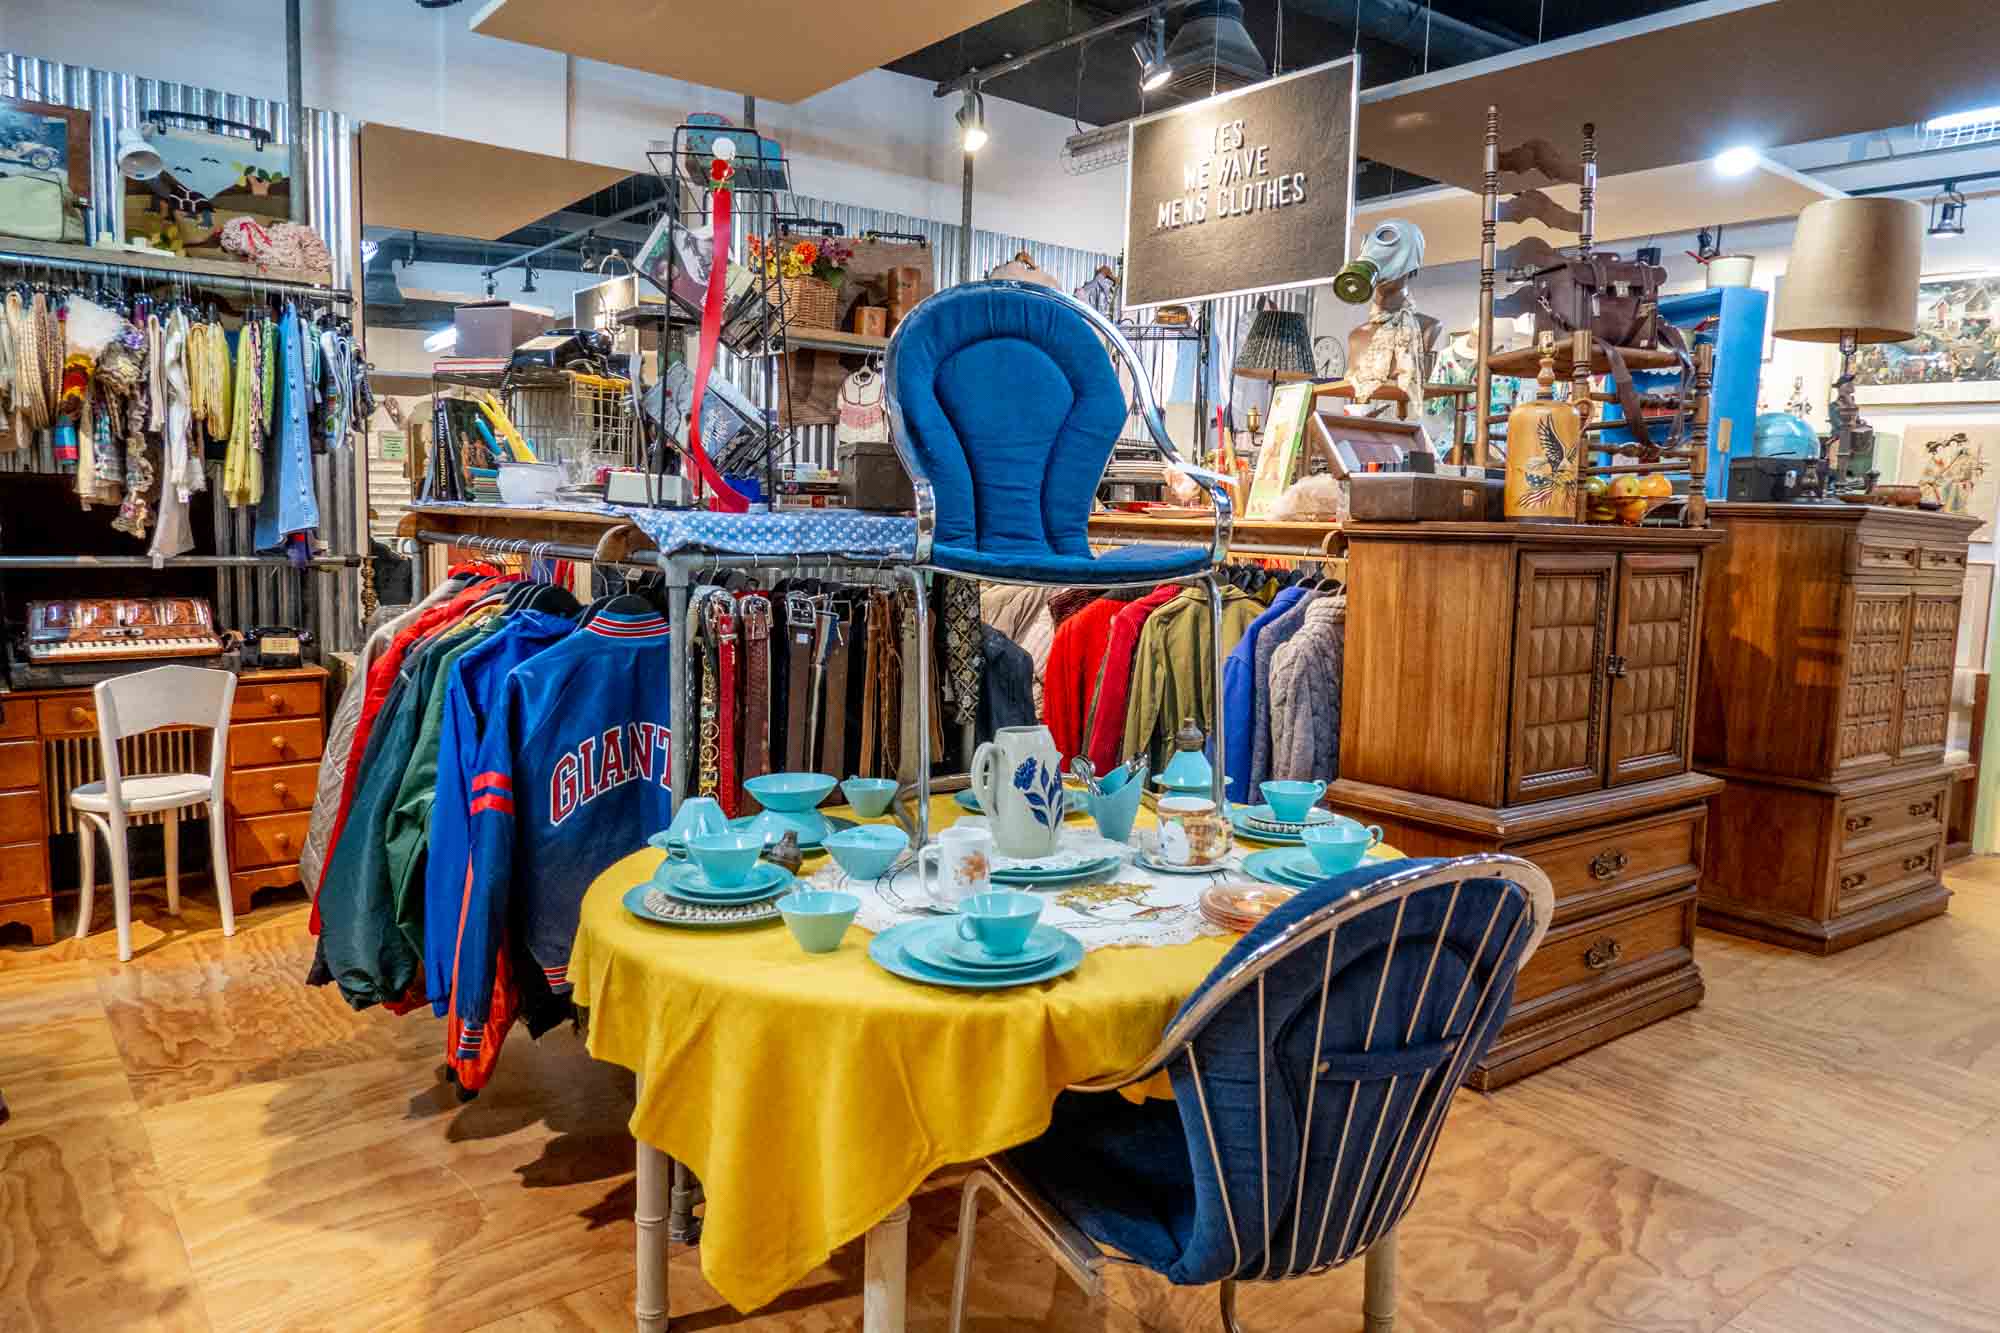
(1849, 883)
(1923, 809)
(1918, 862)
(284, 838)
(78, 716)
(1855, 823)
(277, 742)
(1602, 954)
(280, 790)
(274, 702)
(1607, 864)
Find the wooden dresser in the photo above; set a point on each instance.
(1825, 698)
(48, 746)
(1528, 688)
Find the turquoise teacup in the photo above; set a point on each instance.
(1292, 802)
(1340, 843)
(726, 859)
(1000, 922)
(818, 918)
(866, 851)
(869, 797)
(1116, 809)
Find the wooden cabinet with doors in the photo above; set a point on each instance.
(1529, 688)
(1825, 701)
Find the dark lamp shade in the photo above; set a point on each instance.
(1854, 269)
(1279, 347)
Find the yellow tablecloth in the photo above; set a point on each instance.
(812, 1094)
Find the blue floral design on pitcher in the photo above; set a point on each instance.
(1041, 787)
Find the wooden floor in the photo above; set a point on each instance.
(199, 1141)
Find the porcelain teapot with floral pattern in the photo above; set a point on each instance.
(1017, 777)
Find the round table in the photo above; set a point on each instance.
(813, 1093)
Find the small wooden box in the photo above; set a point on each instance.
(1417, 497)
(872, 477)
(871, 321)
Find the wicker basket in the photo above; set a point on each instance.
(810, 303)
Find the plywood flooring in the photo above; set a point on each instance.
(199, 1141)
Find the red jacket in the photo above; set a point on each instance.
(1071, 673)
(1114, 685)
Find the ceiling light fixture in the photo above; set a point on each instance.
(1736, 161)
(1151, 53)
(972, 121)
(528, 283)
(1958, 120)
(1948, 212)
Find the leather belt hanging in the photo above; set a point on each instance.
(753, 614)
(801, 636)
(837, 649)
(729, 792)
(708, 772)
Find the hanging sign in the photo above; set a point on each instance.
(1244, 192)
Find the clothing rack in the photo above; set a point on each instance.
(172, 272)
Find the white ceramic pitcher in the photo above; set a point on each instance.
(1017, 778)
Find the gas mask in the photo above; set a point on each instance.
(1393, 249)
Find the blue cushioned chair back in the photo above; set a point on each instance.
(1312, 1097)
(1009, 404)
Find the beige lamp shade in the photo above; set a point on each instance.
(1854, 269)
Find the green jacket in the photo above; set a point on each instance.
(1173, 669)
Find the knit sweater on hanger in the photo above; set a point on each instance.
(1274, 636)
(1305, 696)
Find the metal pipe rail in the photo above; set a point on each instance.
(187, 277)
(173, 562)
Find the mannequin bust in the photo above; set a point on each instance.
(1387, 299)
(1394, 345)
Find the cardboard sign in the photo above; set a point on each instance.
(1244, 192)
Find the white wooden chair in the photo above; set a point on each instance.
(167, 696)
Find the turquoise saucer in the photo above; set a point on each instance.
(685, 882)
(1291, 867)
(891, 952)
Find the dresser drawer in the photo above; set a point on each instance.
(20, 764)
(74, 716)
(291, 698)
(1605, 863)
(255, 743)
(1893, 816)
(1862, 881)
(284, 789)
(1944, 559)
(1883, 555)
(243, 883)
(267, 840)
(1605, 951)
(17, 717)
(22, 874)
(21, 816)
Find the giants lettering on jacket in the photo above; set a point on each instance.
(599, 763)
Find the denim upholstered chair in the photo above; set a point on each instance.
(1005, 404)
(1311, 1073)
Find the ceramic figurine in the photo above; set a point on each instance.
(1017, 777)
(786, 852)
(1544, 451)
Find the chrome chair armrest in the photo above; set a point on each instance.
(926, 516)
(1225, 508)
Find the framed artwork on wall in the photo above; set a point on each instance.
(1975, 615)
(1955, 357)
(1278, 457)
(1956, 464)
(43, 139)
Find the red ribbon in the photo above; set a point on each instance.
(726, 499)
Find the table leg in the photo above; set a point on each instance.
(885, 1266)
(649, 1219)
(683, 1227)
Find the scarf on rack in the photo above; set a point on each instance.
(725, 498)
(243, 462)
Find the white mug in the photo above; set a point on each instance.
(964, 866)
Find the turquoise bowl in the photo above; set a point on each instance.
(1116, 810)
(999, 922)
(790, 793)
(869, 797)
(1188, 770)
(818, 918)
(1292, 802)
(1340, 843)
(726, 858)
(866, 851)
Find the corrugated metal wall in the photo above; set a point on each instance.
(244, 597)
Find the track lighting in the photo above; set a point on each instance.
(1151, 53)
(972, 121)
(1948, 212)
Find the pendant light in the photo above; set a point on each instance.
(1151, 53)
(1948, 212)
(1213, 50)
(972, 121)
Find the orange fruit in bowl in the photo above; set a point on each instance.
(1628, 501)
(1656, 485)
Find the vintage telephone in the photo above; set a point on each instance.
(270, 646)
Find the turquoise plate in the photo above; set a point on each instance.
(1104, 862)
(890, 950)
(954, 953)
(1291, 867)
(701, 916)
(684, 881)
(1021, 879)
(1147, 861)
(1239, 819)
(967, 801)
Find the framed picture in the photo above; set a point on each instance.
(1975, 615)
(46, 140)
(1278, 458)
(1955, 357)
(1956, 464)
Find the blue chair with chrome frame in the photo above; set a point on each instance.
(1311, 1073)
(1005, 405)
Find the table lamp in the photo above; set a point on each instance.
(1278, 346)
(1852, 280)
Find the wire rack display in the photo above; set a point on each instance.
(579, 419)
